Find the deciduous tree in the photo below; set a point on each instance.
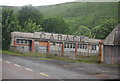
(9, 24)
(55, 25)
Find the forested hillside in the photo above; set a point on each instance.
(82, 13)
(94, 20)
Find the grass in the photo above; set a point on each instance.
(79, 59)
(17, 53)
(40, 56)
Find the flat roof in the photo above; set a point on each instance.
(54, 37)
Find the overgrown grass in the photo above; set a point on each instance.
(17, 53)
(81, 59)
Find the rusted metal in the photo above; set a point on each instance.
(33, 48)
(100, 51)
(111, 45)
(48, 48)
(76, 49)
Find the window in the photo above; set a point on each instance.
(80, 45)
(93, 47)
(70, 45)
(65, 45)
(21, 41)
(25, 41)
(73, 45)
(84, 46)
(17, 41)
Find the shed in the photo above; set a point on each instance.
(111, 47)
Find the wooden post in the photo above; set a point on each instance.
(48, 47)
(62, 49)
(100, 52)
(76, 49)
(33, 46)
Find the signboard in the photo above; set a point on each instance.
(60, 37)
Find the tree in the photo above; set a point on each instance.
(103, 30)
(83, 31)
(29, 12)
(9, 24)
(30, 26)
(55, 25)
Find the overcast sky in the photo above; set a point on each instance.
(33, 2)
(43, 2)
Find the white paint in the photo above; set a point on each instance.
(0, 59)
(17, 65)
(8, 62)
(28, 69)
(44, 74)
(60, 37)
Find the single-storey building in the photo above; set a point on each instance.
(111, 47)
(52, 43)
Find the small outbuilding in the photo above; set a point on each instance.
(111, 47)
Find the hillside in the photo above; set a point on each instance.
(82, 13)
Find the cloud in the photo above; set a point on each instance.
(33, 2)
(97, 0)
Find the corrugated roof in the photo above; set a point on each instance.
(114, 37)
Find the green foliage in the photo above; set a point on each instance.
(9, 24)
(103, 30)
(83, 30)
(55, 25)
(29, 12)
(94, 20)
(119, 12)
(89, 14)
(30, 26)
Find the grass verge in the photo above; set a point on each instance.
(52, 57)
(80, 59)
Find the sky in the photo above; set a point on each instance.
(32, 2)
(45, 2)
